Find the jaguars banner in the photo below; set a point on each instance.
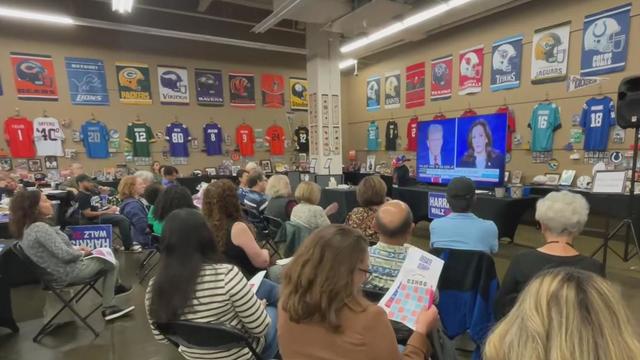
(34, 76)
(373, 93)
(550, 53)
(298, 96)
(605, 40)
(441, 69)
(87, 81)
(134, 85)
(173, 83)
(209, 87)
(506, 63)
(272, 86)
(392, 90)
(471, 65)
(242, 90)
(414, 86)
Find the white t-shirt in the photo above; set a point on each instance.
(48, 136)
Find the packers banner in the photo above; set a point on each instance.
(272, 86)
(87, 81)
(173, 84)
(550, 53)
(441, 70)
(34, 76)
(134, 85)
(471, 67)
(242, 90)
(605, 41)
(298, 96)
(415, 86)
(209, 87)
(392, 90)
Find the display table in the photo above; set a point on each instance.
(346, 199)
(354, 178)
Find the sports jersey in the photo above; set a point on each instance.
(18, 131)
(545, 119)
(245, 139)
(140, 135)
(212, 138)
(301, 135)
(391, 137)
(598, 116)
(372, 136)
(439, 116)
(275, 139)
(95, 138)
(48, 136)
(511, 124)
(178, 136)
(469, 112)
(412, 134)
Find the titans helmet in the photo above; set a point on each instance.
(547, 48)
(470, 65)
(131, 77)
(298, 90)
(239, 86)
(504, 55)
(603, 36)
(171, 80)
(207, 83)
(33, 72)
(440, 74)
(391, 86)
(372, 90)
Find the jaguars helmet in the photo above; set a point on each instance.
(470, 65)
(299, 90)
(171, 80)
(131, 78)
(207, 83)
(503, 57)
(33, 72)
(239, 86)
(391, 86)
(440, 74)
(372, 90)
(604, 36)
(548, 48)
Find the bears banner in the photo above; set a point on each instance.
(34, 76)
(471, 65)
(506, 63)
(441, 69)
(87, 81)
(392, 90)
(272, 86)
(298, 96)
(242, 90)
(414, 85)
(134, 83)
(550, 53)
(373, 93)
(173, 83)
(605, 41)
(209, 87)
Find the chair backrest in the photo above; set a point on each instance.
(274, 224)
(38, 270)
(256, 218)
(295, 234)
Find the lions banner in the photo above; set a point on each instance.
(373, 93)
(34, 76)
(209, 87)
(134, 85)
(414, 78)
(506, 63)
(272, 86)
(242, 90)
(173, 84)
(87, 81)
(298, 96)
(441, 69)
(550, 53)
(392, 90)
(471, 65)
(605, 41)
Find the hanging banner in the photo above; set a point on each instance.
(298, 96)
(87, 81)
(1, 93)
(506, 63)
(373, 93)
(272, 86)
(242, 90)
(441, 70)
(414, 85)
(134, 83)
(605, 41)
(209, 87)
(392, 90)
(471, 65)
(575, 82)
(550, 53)
(173, 83)
(34, 76)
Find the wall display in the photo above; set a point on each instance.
(507, 173)
(51, 162)
(552, 178)
(34, 76)
(299, 96)
(550, 53)
(301, 137)
(337, 135)
(575, 135)
(597, 119)
(373, 93)
(178, 136)
(6, 164)
(391, 136)
(48, 136)
(545, 120)
(335, 110)
(213, 138)
(35, 165)
(471, 67)
(392, 90)
(371, 163)
(575, 82)
(266, 166)
(140, 136)
(553, 164)
(567, 177)
(87, 81)
(506, 63)
(134, 83)
(511, 125)
(605, 41)
(242, 90)
(412, 134)
(415, 85)
(272, 86)
(18, 133)
(245, 139)
(609, 182)
(441, 72)
(324, 98)
(173, 84)
(209, 90)
(372, 136)
(618, 135)
(275, 138)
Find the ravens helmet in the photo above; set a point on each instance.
(171, 80)
(131, 78)
(33, 72)
(207, 83)
(547, 48)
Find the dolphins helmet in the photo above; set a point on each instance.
(207, 82)
(503, 57)
(470, 65)
(239, 86)
(131, 77)
(173, 81)
(299, 90)
(440, 74)
(372, 90)
(34, 73)
(602, 36)
(391, 86)
(548, 48)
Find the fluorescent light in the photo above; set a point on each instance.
(122, 6)
(347, 63)
(30, 15)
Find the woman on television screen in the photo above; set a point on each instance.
(480, 153)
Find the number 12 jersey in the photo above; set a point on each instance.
(141, 136)
(598, 116)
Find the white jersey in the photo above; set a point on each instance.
(48, 136)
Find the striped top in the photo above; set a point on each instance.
(222, 295)
(385, 262)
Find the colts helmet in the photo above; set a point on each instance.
(372, 90)
(33, 72)
(548, 48)
(299, 90)
(601, 36)
(131, 77)
(391, 86)
(503, 57)
(173, 81)
(239, 86)
(440, 74)
(470, 65)
(207, 83)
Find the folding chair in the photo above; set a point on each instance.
(261, 223)
(85, 287)
(155, 239)
(206, 336)
(273, 225)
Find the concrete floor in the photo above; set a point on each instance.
(131, 338)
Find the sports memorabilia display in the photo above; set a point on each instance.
(372, 136)
(34, 76)
(298, 93)
(134, 85)
(213, 138)
(95, 138)
(605, 41)
(178, 136)
(140, 136)
(373, 93)
(412, 134)
(245, 139)
(87, 81)
(506, 60)
(209, 87)
(173, 84)
(18, 133)
(597, 118)
(545, 120)
(550, 53)
(391, 136)
(275, 138)
(470, 74)
(301, 137)
(48, 136)
(441, 70)
(242, 90)
(415, 85)
(392, 90)
(468, 112)
(272, 86)
(511, 125)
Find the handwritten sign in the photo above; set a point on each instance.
(92, 236)
(438, 205)
(609, 182)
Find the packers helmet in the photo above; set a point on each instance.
(547, 48)
(130, 77)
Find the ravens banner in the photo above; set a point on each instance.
(298, 93)
(34, 76)
(242, 90)
(272, 86)
(134, 85)
(209, 87)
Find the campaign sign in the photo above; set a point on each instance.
(91, 236)
(438, 205)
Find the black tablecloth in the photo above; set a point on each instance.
(354, 178)
(346, 199)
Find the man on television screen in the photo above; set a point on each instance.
(435, 140)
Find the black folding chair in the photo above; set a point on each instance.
(155, 239)
(85, 287)
(273, 225)
(261, 223)
(206, 336)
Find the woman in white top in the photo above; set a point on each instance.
(308, 212)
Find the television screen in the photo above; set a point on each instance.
(472, 146)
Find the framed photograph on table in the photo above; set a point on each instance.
(50, 162)
(516, 177)
(266, 166)
(35, 165)
(211, 171)
(566, 179)
(552, 179)
(609, 182)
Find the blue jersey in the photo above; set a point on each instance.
(372, 136)
(545, 119)
(178, 136)
(212, 138)
(598, 116)
(95, 138)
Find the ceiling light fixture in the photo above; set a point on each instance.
(30, 15)
(347, 63)
(122, 6)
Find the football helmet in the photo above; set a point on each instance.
(131, 77)
(207, 83)
(440, 74)
(547, 48)
(503, 57)
(392, 88)
(470, 65)
(239, 86)
(34, 73)
(299, 90)
(372, 90)
(602, 36)
(171, 80)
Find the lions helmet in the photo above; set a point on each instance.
(131, 77)
(470, 65)
(440, 74)
(207, 82)
(392, 88)
(239, 86)
(171, 80)
(89, 82)
(372, 90)
(601, 36)
(33, 72)
(503, 57)
(299, 90)
(548, 48)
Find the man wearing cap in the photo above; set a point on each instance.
(461, 229)
(401, 176)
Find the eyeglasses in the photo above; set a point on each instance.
(367, 273)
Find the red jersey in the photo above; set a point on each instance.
(412, 134)
(469, 112)
(245, 139)
(439, 116)
(275, 139)
(19, 135)
(511, 124)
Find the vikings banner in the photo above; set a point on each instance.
(441, 69)
(134, 83)
(392, 90)
(242, 90)
(34, 76)
(173, 83)
(209, 87)
(298, 96)
(506, 63)
(272, 86)
(550, 53)
(87, 81)
(604, 45)
(414, 85)
(373, 93)
(471, 65)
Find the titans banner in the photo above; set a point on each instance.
(272, 86)
(173, 83)
(414, 86)
(441, 70)
(605, 41)
(242, 90)
(34, 76)
(506, 63)
(298, 93)
(550, 53)
(471, 66)
(209, 87)
(134, 83)
(87, 81)
(392, 90)
(373, 93)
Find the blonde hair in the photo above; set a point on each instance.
(127, 186)
(372, 191)
(566, 314)
(278, 186)
(308, 192)
(563, 212)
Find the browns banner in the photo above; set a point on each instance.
(34, 76)
(134, 83)
(471, 65)
(242, 90)
(414, 86)
(298, 93)
(272, 86)
(441, 69)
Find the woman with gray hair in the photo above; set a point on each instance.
(561, 216)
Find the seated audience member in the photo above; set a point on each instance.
(156, 170)
(133, 208)
(194, 284)
(70, 184)
(322, 313)
(171, 198)
(566, 314)
(255, 199)
(151, 194)
(8, 186)
(146, 177)
(236, 240)
(371, 193)
(281, 203)
(51, 249)
(169, 176)
(93, 212)
(307, 212)
(461, 229)
(251, 167)
(561, 215)
(243, 176)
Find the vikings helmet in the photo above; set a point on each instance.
(440, 74)
(171, 80)
(33, 72)
(548, 48)
(470, 65)
(503, 56)
(131, 77)
(601, 36)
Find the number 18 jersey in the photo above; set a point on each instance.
(178, 136)
(545, 119)
(598, 116)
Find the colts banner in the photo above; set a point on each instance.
(134, 83)
(392, 90)
(605, 42)
(298, 96)
(550, 53)
(506, 63)
(209, 87)
(272, 86)
(441, 69)
(373, 93)
(471, 65)
(87, 81)
(34, 76)
(242, 90)
(414, 85)
(173, 83)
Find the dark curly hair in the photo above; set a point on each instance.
(172, 198)
(24, 210)
(491, 152)
(221, 208)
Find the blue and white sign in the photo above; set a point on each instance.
(373, 93)
(605, 41)
(91, 236)
(438, 205)
(506, 63)
(87, 81)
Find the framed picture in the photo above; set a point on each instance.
(6, 164)
(50, 162)
(266, 166)
(552, 179)
(566, 179)
(609, 182)
(327, 163)
(312, 165)
(516, 177)
(371, 163)
(211, 171)
(35, 165)
(506, 176)
(235, 169)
